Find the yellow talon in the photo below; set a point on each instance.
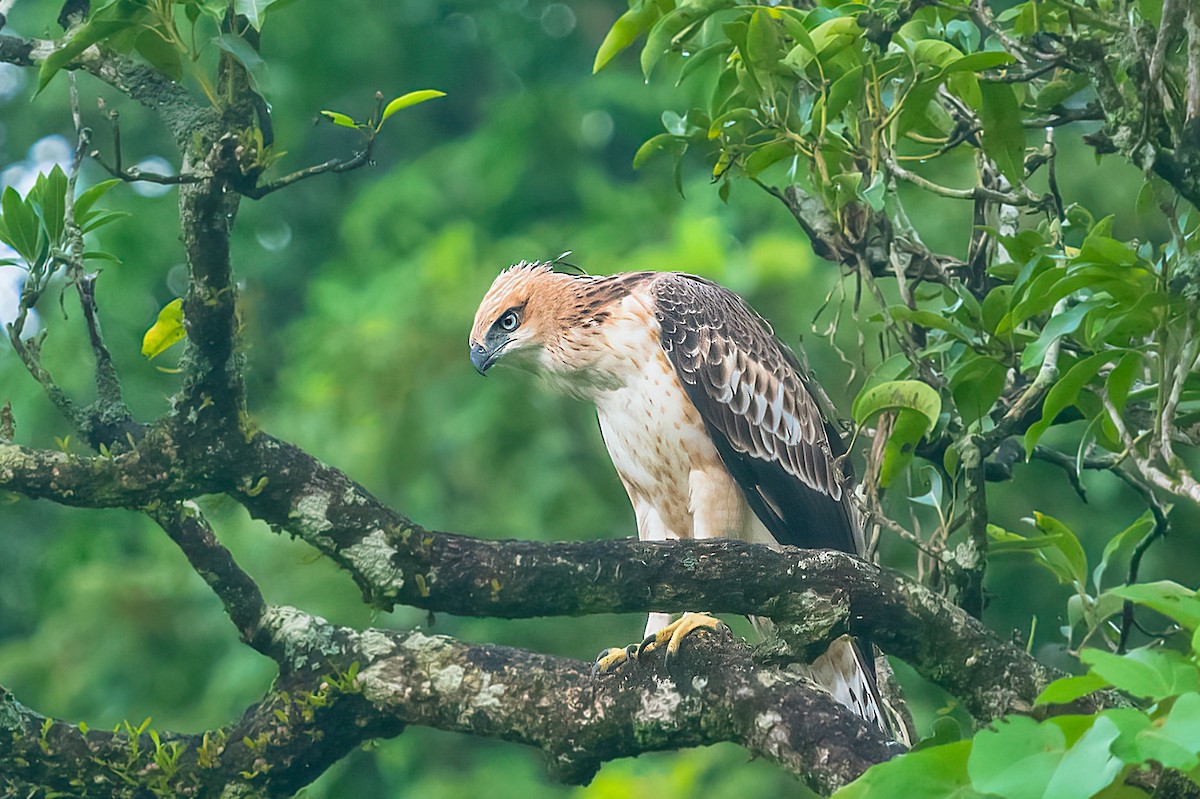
(674, 633)
(609, 660)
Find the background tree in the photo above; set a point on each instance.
(360, 360)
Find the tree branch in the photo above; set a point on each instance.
(168, 99)
(243, 601)
(340, 687)
(396, 561)
(132, 479)
(828, 241)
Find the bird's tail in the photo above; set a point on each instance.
(849, 677)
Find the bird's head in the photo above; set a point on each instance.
(520, 315)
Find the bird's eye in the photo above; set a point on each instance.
(509, 322)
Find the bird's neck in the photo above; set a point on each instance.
(604, 351)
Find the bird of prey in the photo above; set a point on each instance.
(707, 418)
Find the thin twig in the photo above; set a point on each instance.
(1064, 462)
(71, 229)
(1186, 358)
(1032, 395)
(1168, 26)
(1089, 113)
(1181, 482)
(1162, 526)
(110, 405)
(334, 165)
(135, 175)
(982, 16)
(963, 194)
(1025, 77)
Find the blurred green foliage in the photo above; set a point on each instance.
(359, 291)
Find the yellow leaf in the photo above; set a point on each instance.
(166, 332)
(339, 119)
(410, 99)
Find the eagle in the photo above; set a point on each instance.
(707, 416)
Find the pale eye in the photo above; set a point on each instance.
(509, 322)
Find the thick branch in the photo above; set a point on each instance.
(167, 98)
(340, 688)
(131, 479)
(395, 561)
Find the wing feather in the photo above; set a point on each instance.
(765, 424)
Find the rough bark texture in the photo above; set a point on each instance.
(339, 688)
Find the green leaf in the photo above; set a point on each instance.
(898, 395)
(939, 772)
(1003, 135)
(1120, 379)
(651, 146)
(1016, 758)
(1101, 249)
(1152, 673)
(1068, 689)
(1047, 289)
(1089, 765)
(103, 24)
(1166, 597)
(628, 27)
(88, 198)
(1066, 544)
(1059, 325)
(699, 60)
(256, 67)
(914, 113)
(255, 11)
(1063, 394)
(50, 194)
(160, 53)
(944, 730)
(1175, 741)
(339, 119)
(766, 155)
(977, 62)
(907, 429)
(930, 320)
(1121, 546)
(873, 195)
(101, 218)
(763, 40)
(976, 384)
(843, 90)
(936, 52)
(410, 99)
(1005, 541)
(21, 229)
(666, 31)
(166, 332)
(994, 307)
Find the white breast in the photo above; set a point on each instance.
(658, 443)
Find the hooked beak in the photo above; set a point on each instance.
(483, 358)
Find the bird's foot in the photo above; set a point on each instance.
(674, 633)
(609, 660)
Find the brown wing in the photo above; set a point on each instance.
(766, 426)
